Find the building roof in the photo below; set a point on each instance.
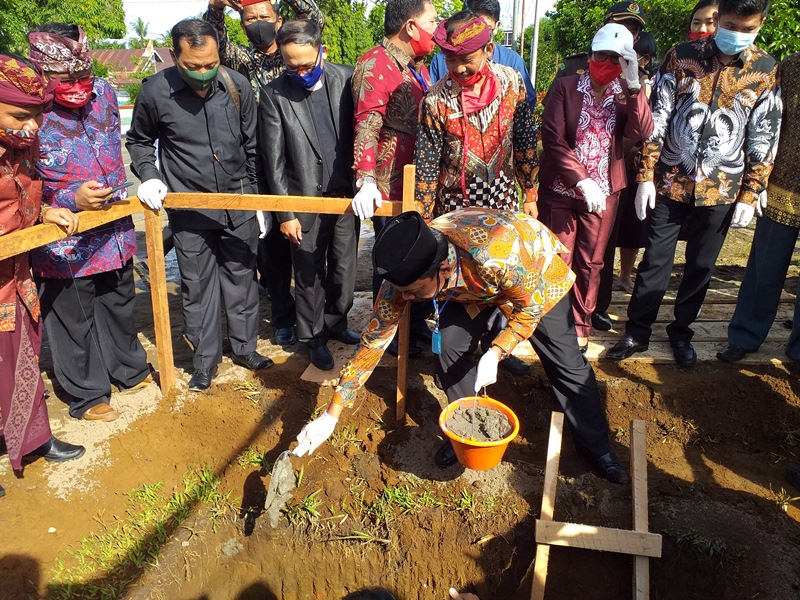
(121, 63)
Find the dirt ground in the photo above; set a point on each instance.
(371, 509)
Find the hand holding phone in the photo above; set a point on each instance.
(121, 186)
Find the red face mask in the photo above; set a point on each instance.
(74, 94)
(604, 72)
(699, 35)
(475, 77)
(424, 45)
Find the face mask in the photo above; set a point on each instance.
(307, 80)
(422, 46)
(604, 72)
(17, 138)
(74, 94)
(699, 35)
(733, 43)
(197, 80)
(260, 33)
(476, 76)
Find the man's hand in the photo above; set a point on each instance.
(593, 195)
(454, 595)
(630, 68)
(152, 192)
(531, 209)
(62, 217)
(742, 215)
(262, 224)
(221, 4)
(92, 195)
(314, 433)
(645, 197)
(292, 231)
(487, 369)
(762, 203)
(367, 200)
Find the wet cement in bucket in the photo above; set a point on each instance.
(480, 423)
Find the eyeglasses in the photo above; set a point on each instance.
(88, 80)
(303, 69)
(604, 56)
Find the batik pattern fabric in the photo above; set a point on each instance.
(20, 206)
(594, 136)
(500, 148)
(716, 126)
(76, 148)
(783, 192)
(503, 259)
(259, 68)
(387, 91)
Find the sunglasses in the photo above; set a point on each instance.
(605, 56)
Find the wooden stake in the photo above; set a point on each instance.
(548, 503)
(641, 564)
(158, 297)
(409, 186)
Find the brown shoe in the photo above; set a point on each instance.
(142, 384)
(101, 412)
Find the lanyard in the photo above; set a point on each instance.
(419, 77)
(453, 291)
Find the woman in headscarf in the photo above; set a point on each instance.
(23, 412)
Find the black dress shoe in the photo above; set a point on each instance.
(445, 456)
(626, 348)
(346, 336)
(413, 349)
(252, 360)
(611, 469)
(2, 491)
(583, 348)
(421, 332)
(321, 357)
(515, 366)
(732, 353)
(684, 353)
(201, 379)
(793, 475)
(54, 450)
(601, 321)
(285, 336)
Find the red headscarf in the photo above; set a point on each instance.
(471, 36)
(21, 84)
(60, 54)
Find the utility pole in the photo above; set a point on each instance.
(515, 25)
(522, 29)
(535, 42)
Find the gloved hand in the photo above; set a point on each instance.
(487, 370)
(263, 230)
(645, 197)
(152, 192)
(742, 215)
(630, 67)
(594, 196)
(366, 200)
(762, 203)
(314, 433)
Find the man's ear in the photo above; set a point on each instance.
(172, 54)
(490, 49)
(324, 52)
(278, 23)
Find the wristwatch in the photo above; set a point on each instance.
(503, 353)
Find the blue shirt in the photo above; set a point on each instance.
(501, 56)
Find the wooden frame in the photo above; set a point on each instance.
(25, 240)
(639, 542)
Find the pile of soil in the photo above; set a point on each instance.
(478, 423)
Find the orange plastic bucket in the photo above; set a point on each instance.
(473, 454)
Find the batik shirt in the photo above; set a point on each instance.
(502, 259)
(259, 68)
(500, 148)
(716, 127)
(594, 136)
(20, 205)
(76, 148)
(387, 90)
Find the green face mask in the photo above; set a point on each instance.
(195, 79)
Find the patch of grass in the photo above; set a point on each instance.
(783, 499)
(104, 563)
(344, 436)
(700, 544)
(305, 510)
(619, 434)
(364, 537)
(401, 497)
(252, 457)
(249, 390)
(315, 411)
(466, 502)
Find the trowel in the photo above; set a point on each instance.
(281, 484)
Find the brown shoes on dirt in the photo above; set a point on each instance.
(101, 412)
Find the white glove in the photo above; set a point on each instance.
(314, 433)
(762, 203)
(487, 370)
(630, 68)
(263, 230)
(594, 196)
(742, 215)
(152, 192)
(366, 200)
(645, 197)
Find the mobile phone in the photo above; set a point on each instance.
(121, 186)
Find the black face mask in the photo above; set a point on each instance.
(260, 33)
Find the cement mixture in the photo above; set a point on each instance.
(480, 423)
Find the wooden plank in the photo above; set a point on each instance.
(548, 503)
(304, 204)
(158, 297)
(604, 539)
(715, 295)
(409, 182)
(641, 564)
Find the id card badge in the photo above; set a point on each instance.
(436, 342)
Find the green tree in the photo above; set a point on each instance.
(140, 32)
(235, 32)
(548, 57)
(344, 33)
(781, 32)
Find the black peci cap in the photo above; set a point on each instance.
(404, 250)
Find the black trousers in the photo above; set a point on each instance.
(706, 229)
(90, 327)
(275, 274)
(324, 275)
(554, 340)
(218, 265)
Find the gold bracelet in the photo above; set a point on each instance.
(44, 209)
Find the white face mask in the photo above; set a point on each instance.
(733, 43)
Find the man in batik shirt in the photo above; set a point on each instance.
(476, 265)
(85, 281)
(717, 113)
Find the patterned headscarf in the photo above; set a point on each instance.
(60, 54)
(471, 36)
(21, 84)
